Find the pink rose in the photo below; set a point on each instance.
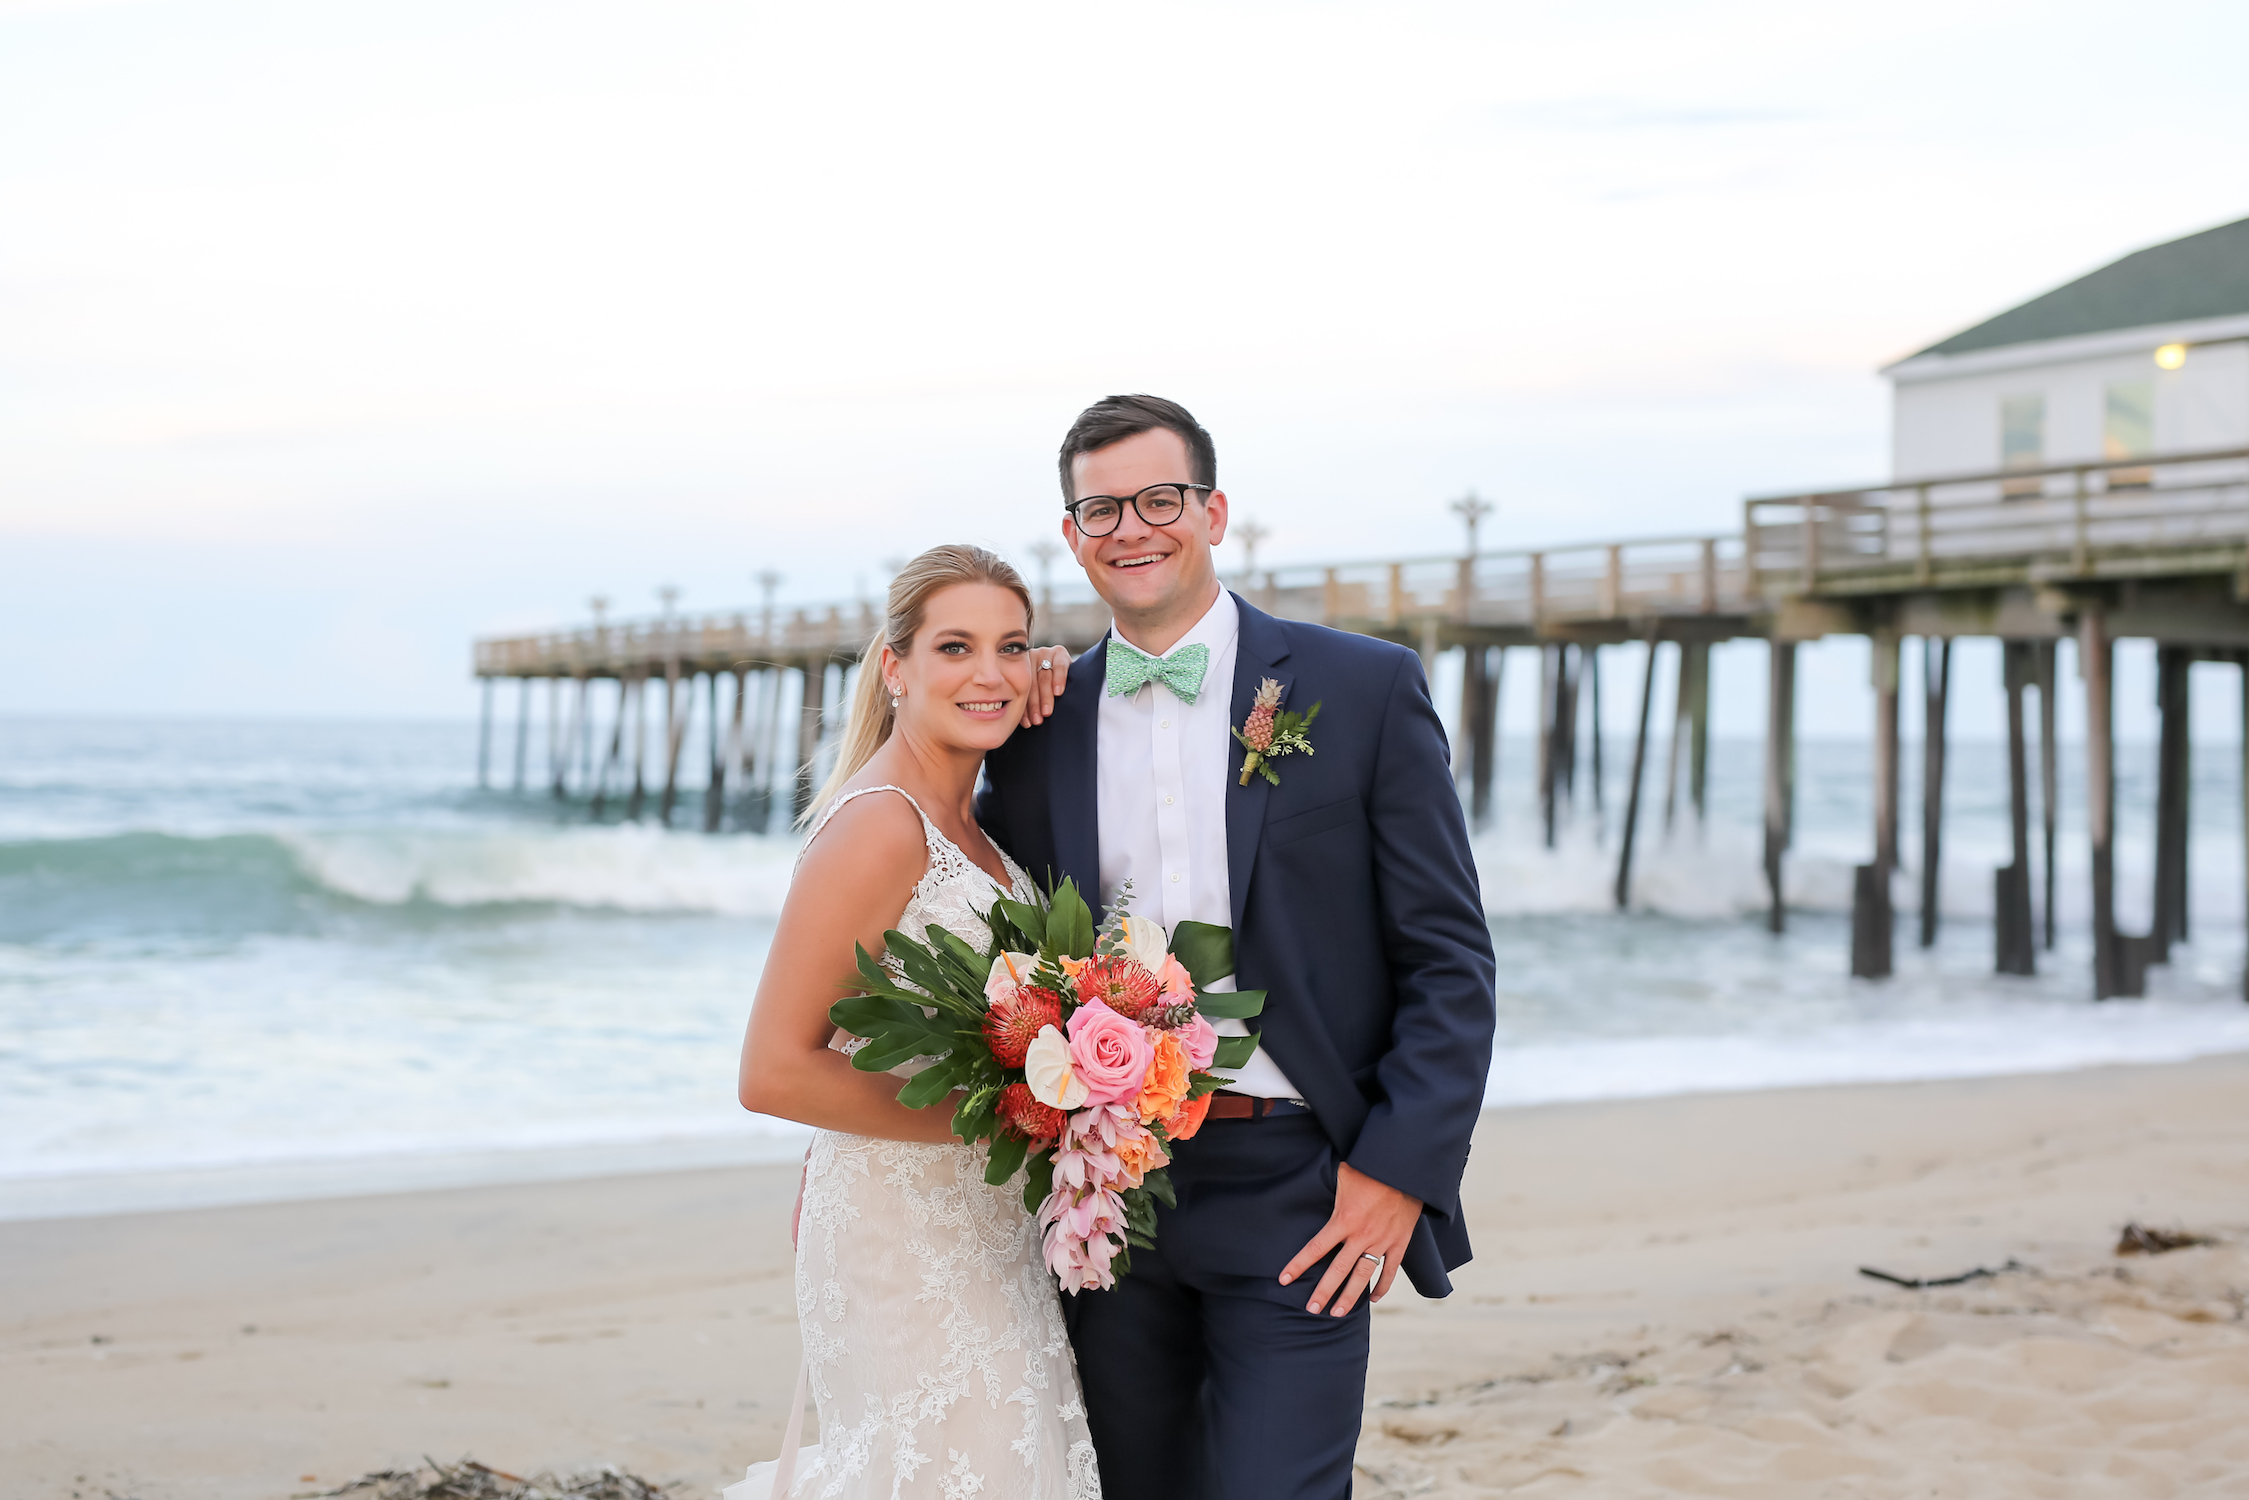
(1199, 1039)
(1173, 980)
(1108, 1054)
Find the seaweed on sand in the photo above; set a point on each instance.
(470, 1480)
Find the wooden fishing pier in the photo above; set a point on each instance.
(2089, 551)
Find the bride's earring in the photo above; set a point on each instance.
(894, 699)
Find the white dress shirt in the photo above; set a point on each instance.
(1165, 769)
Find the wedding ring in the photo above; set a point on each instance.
(1375, 1258)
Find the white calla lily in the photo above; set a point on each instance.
(1046, 1068)
(1146, 942)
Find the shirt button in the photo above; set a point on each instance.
(1163, 723)
(1175, 877)
(1169, 799)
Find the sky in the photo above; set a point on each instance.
(335, 334)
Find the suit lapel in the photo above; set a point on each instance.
(1073, 774)
(1259, 652)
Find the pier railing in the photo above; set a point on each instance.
(2112, 518)
(1520, 594)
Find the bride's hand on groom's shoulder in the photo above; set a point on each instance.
(1050, 673)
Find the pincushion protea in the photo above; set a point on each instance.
(1016, 1018)
(1027, 1117)
(1119, 983)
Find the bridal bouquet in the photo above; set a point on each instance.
(1079, 1053)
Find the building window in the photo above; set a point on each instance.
(2128, 430)
(2022, 441)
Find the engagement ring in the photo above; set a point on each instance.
(1047, 665)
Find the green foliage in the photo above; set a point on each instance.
(1204, 950)
(1230, 1005)
(970, 968)
(1007, 1154)
(928, 973)
(1158, 1184)
(1234, 1051)
(1028, 924)
(1140, 1216)
(932, 1084)
(1069, 925)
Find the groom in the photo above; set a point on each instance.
(1231, 1362)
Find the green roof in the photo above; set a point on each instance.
(2205, 275)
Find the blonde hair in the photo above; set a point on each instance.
(871, 720)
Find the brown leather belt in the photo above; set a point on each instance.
(1226, 1106)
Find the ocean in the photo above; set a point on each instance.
(256, 960)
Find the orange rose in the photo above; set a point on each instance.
(1138, 1154)
(1189, 1119)
(1166, 1081)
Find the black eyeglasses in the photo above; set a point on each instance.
(1158, 505)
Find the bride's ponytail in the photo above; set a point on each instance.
(871, 718)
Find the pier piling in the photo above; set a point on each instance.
(484, 739)
(1872, 920)
(809, 717)
(2045, 655)
(1553, 733)
(1639, 764)
(678, 708)
(714, 791)
(2173, 771)
(1698, 745)
(1479, 717)
(610, 760)
(581, 729)
(1936, 681)
(2013, 938)
(2096, 660)
(1592, 656)
(737, 747)
(2243, 659)
(1690, 731)
(522, 734)
(556, 747)
(1780, 771)
(639, 796)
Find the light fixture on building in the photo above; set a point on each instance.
(2171, 356)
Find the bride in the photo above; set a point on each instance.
(933, 1337)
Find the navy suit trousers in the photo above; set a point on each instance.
(1205, 1378)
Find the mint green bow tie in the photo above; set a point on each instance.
(1182, 671)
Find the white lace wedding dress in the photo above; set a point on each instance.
(933, 1333)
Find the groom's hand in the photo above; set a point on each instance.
(1050, 675)
(1370, 1218)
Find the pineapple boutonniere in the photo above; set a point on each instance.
(1268, 733)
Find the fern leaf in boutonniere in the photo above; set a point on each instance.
(1271, 732)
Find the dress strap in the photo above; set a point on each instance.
(930, 832)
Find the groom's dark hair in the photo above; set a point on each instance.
(1112, 419)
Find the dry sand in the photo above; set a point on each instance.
(1664, 1302)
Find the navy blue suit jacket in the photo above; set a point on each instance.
(1355, 901)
